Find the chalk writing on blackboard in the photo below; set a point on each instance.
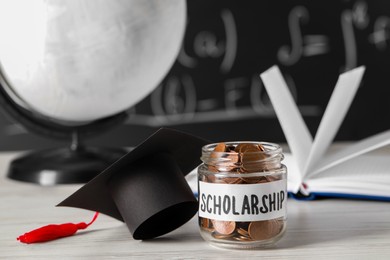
(177, 99)
(381, 33)
(206, 45)
(170, 108)
(307, 45)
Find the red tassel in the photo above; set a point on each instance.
(53, 231)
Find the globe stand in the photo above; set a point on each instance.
(75, 164)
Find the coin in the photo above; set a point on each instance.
(272, 178)
(232, 157)
(244, 147)
(262, 230)
(253, 162)
(230, 148)
(220, 147)
(231, 164)
(220, 236)
(252, 157)
(223, 160)
(261, 148)
(212, 168)
(233, 180)
(242, 238)
(218, 151)
(224, 227)
(205, 223)
(254, 180)
(243, 232)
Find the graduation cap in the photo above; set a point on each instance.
(146, 188)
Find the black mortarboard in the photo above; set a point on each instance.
(146, 188)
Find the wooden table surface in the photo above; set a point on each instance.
(323, 229)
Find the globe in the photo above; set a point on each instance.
(74, 65)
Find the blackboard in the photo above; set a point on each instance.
(213, 90)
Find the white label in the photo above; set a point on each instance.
(243, 202)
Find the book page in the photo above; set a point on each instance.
(368, 174)
(291, 121)
(361, 147)
(339, 103)
(293, 173)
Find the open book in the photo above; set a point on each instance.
(355, 171)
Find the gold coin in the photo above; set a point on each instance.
(262, 230)
(224, 227)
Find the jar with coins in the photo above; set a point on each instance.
(242, 189)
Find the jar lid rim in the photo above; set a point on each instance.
(271, 148)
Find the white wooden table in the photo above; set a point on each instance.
(324, 229)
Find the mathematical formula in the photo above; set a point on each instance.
(176, 100)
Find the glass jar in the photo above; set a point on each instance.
(242, 189)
